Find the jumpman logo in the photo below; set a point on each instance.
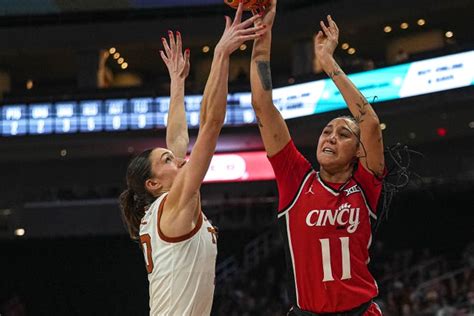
(310, 190)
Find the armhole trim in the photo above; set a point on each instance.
(179, 238)
(298, 193)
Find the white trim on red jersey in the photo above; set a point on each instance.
(371, 214)
(285, 211)
(287, 217)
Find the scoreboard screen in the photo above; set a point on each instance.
(141, 113)
(116, 115)
(14, 120)
(40, 118)
(91, 118)
(66, 120)
(147, 112)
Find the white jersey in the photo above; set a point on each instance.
(181, 270)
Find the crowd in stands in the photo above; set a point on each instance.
(411, 283)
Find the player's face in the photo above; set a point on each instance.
(337, 145)
(165, 167)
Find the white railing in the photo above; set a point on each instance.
(418, 270)
(227, 269)
(260, 248)
(446, 276)
(255, 252)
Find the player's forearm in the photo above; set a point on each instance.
(260, 72)
(177, 138)
(214, 101)
(358, 105)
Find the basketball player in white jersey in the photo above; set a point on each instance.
(162, 205)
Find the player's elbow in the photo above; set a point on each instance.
(371, 125)
(182, 139)
(212, 124)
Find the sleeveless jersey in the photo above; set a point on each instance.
(327, 233)
(181, 270)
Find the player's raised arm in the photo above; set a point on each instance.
(370, 133)
(273, 129)
(177, 138)
(181, 199)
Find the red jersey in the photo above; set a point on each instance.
(327, 233)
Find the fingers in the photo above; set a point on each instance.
(187, 55)
(172, 41)
(326, 30)
(166, 47)
(332, 24)
(163, 56)
(228, 22)
(252, 30)
(319, 36)
(259, 17)
(175, 46)
(238, 14)
(249, 37)
(249, 21)
(179, 44)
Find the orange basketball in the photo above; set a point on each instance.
(249, 5)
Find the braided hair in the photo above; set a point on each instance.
(398, 160)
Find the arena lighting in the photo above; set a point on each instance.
(20, 232)
(471, 124)
(412, 135)
(120, 60)
(351, 51)
(116, 55)
(449, 34)
(63, 152)
(29, 84)
(404, 25)
(243, 47)
(239, 167)
(205, 49)
(421, 22)
(112, 50)
(383, 126)
(387, 29)
(441, 131)
(291, 80)
(124, 65)
(345, 46)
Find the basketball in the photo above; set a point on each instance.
(249, 5)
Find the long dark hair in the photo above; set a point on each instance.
(136, 199)
(398, 172)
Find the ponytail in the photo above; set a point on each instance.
(131, 214)
(135, 200)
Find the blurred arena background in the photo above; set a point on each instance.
(71, 119)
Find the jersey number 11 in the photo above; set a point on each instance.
(346, 259)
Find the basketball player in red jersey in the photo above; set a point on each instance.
(325, 216)
(162, 204)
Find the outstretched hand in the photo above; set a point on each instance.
(237, 32)
(268, 16)
(177, 63)
(326, 41)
